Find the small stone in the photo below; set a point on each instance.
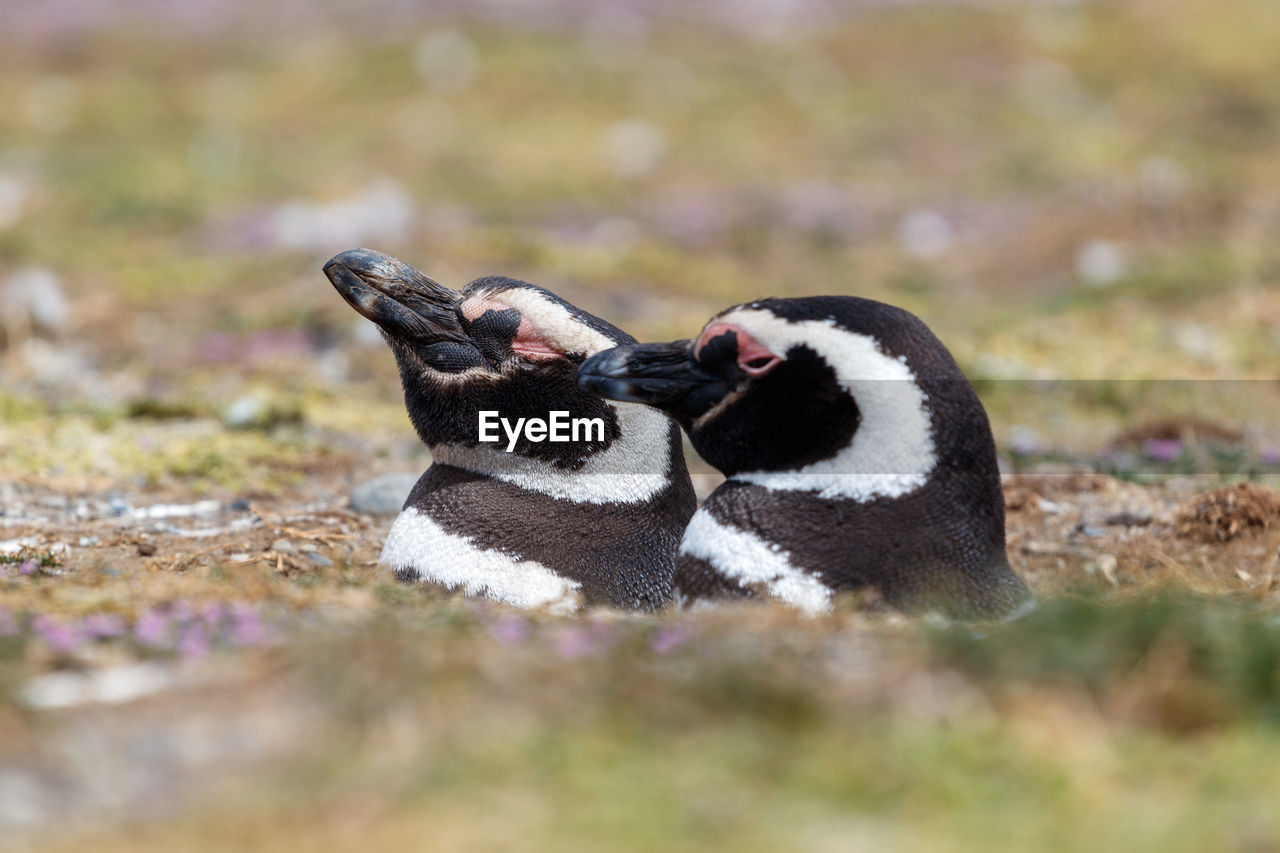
(319, 559)
(1101, 263)
(383, 495)
(243, 413)
(1051, 507)
(1129, 518)
(36, 293)
(284, 546)
(146, 549)
(240, 505)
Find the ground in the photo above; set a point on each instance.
(197, 649)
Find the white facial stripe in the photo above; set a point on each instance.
(419, 544)
(892, 452)
(473, 307)
(632, 470)
(552, 321)
(748, 559)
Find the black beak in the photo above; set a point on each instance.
(664, 376)
(405, 304)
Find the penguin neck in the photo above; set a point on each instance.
(891, 454)
(633, 469)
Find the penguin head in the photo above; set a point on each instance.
(498, 345)
(831, 385)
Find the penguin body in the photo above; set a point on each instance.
(856, 452)
(527, 519)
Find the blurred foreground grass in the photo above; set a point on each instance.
(1146, 722)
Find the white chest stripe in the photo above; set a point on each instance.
(892, 452)
(748, 559)
(419, 544)
(634, 468)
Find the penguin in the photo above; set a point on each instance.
(528, 520)
(857, 455)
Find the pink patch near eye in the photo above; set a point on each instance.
(754, 358)
(528, 344)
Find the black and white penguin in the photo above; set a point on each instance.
(856, 452)
(524, 519)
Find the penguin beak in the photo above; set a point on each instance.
(664, 376)
(404, 303)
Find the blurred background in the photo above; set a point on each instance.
(1063, 190)
(1081, 198)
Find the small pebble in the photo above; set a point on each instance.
(146, 549)
(1051, 507)
(243, 413)
(1129, 519)
(319, 559)
(383, 495)
(36, 293)
(284, 546)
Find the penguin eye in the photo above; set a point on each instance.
(760, 364)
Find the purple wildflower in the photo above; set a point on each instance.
(218, 347)
(1269, 454)
(511, 630)
(60, 637)
(8, 624)
(584, 641)
(182, 611)
(1024, 441)
(246, 627)
(1163, 449)
(668, 638)
(28, 567)
(96, 626)
(194, 643)
(210, 614)
(270, 344)
(573, 643)
(153, 629)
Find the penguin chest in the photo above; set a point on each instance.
(420, 548)
(719, 558)
(488, 537)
